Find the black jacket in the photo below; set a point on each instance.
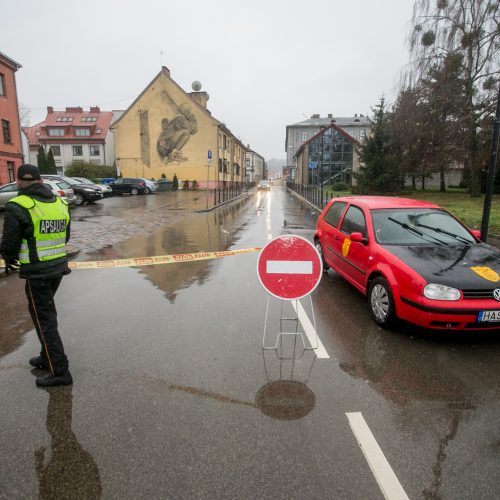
(17, 225)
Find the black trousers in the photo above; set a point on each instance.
(40, 293)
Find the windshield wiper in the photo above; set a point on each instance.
(416, 231)
(447, 233)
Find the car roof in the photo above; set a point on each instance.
(379, 202)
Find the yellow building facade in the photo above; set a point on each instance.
(167, 131)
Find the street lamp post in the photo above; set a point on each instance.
(321, 166)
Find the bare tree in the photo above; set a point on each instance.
(468, 31)
(24, 115)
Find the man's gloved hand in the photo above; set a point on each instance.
(11, 265)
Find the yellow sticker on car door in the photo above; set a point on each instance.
(345, 247)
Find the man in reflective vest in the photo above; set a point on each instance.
(36, 230)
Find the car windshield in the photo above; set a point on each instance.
(83, 180)
(418, 227)
(62, 185)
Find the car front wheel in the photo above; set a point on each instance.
(147, 191)
(381, 303)
(319, 248)
(79, 199)
(134, 191)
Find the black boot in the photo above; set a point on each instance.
(39, 362)
(53, 380)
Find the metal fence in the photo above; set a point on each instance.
(230, 192)
(313, 194)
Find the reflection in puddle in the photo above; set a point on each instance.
(285, 399)
(68, 471)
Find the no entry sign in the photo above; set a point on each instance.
(289, 267)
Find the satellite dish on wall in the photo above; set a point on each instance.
(196, 86)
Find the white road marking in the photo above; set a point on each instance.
(289, 267)
(381, 469)
(309, 330)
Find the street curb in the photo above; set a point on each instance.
(242, 195)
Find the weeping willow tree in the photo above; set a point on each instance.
(468, 32)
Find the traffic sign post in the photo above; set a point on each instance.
(289, 268)
(209, 161)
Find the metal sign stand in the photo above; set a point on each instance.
(294, 320)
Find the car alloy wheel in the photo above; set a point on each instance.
(147, 191)
(134, 191)
(79, 199)
(381, 302)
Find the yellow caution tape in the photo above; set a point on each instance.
(155, 260)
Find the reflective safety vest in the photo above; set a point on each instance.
(50, 221)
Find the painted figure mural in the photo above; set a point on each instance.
(176, 132)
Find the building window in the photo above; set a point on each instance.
(351, 132)
(56, 131)
(10, 171)
(56, 150)
(6, 132)
(224, 142)
(77, 151)
(362, 133)
(88, 119)
(303, 136)
(82, 132)
(220, 165)
(94, 151)
(2, 84)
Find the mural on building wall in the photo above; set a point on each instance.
(176, 131)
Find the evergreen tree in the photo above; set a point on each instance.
(41, 160)
(380, 157)
(51, 163)
(175, 183)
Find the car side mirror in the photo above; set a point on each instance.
(358, 238)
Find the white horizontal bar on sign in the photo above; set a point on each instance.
(289, 267)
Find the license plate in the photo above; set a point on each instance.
(488, 316)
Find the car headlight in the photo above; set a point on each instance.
(441, 292)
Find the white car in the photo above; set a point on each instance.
(151, 186)
(106, 190)
(59, 188)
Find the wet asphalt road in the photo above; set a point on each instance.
(175, 398)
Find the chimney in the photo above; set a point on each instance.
(95, 109)
(76, 109)
(330, 115)
(201, 98)
(50, 109)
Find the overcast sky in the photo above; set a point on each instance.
(264, 63)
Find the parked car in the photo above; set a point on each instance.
(106, 190)
(413, 261)
(83, 192)
(59, 188)
(264, 185)
(62, 189)
(151, 186)
(129, 185)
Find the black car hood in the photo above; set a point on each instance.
(451, 265)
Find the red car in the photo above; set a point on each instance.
(413, 261)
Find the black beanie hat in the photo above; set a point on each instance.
(28, 172)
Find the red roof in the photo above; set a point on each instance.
(95, 120)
